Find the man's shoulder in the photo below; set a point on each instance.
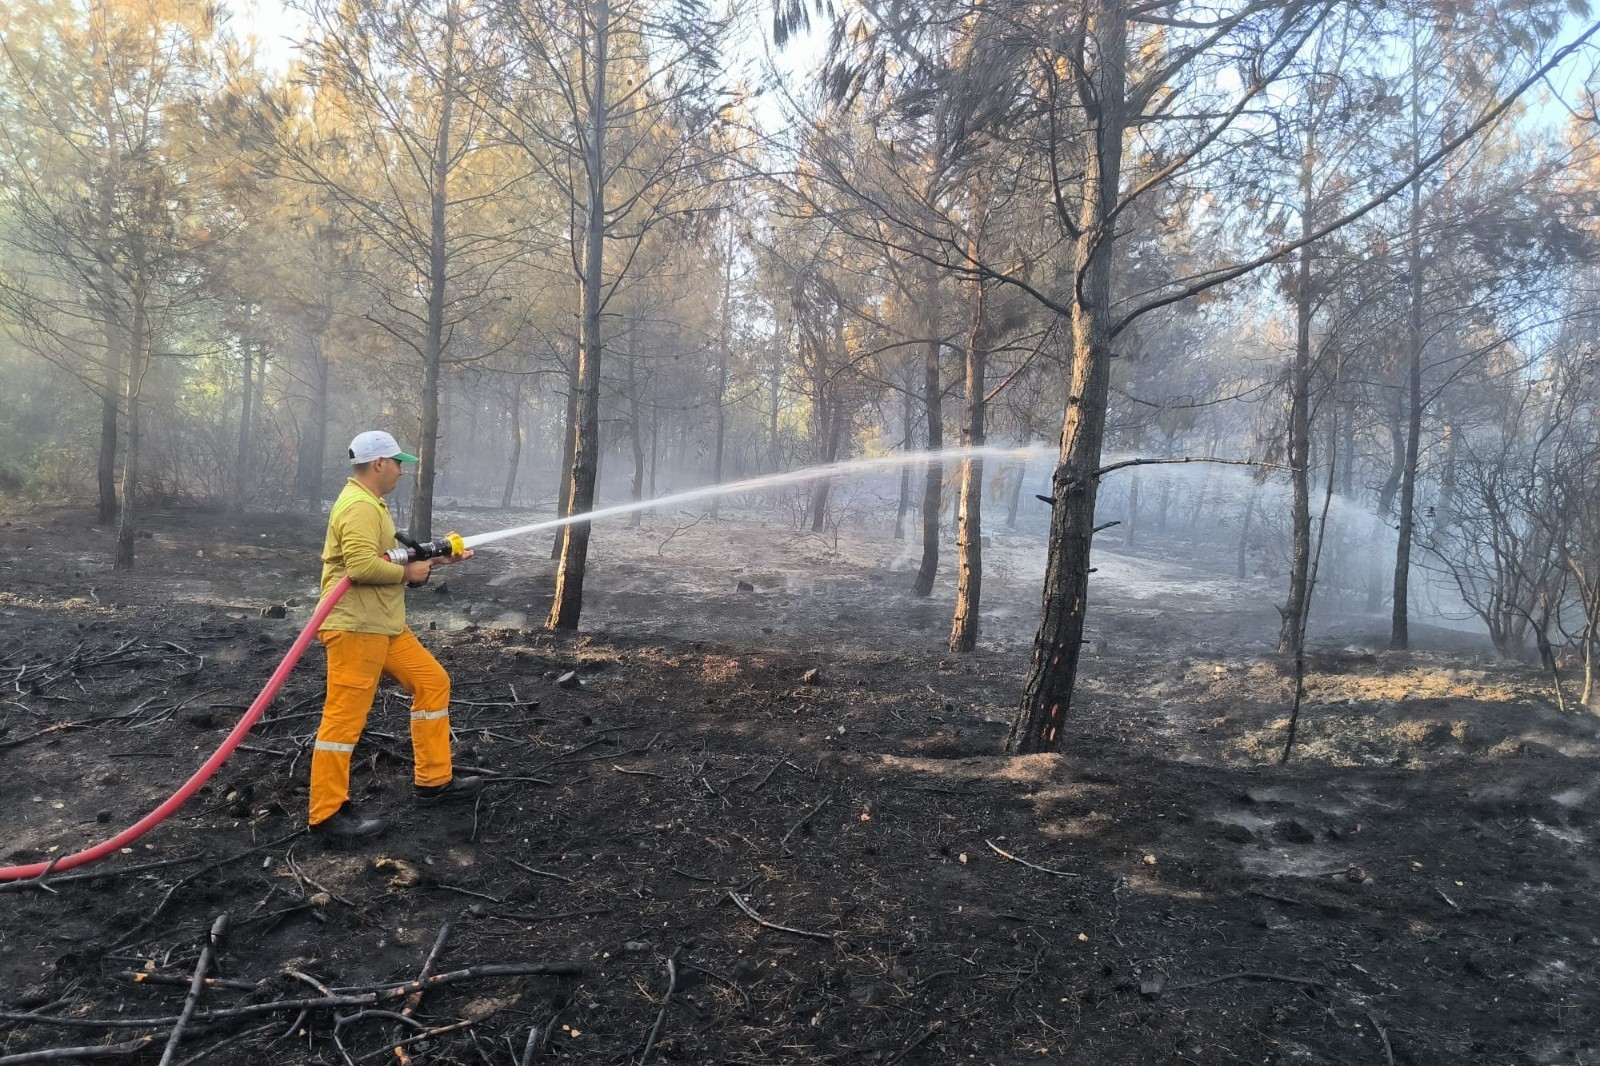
(353, 495)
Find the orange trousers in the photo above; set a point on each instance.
(356, 663)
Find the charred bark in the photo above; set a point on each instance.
(933, 482)
(568, 603)
(1047, 698)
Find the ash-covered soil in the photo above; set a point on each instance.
(770, 823)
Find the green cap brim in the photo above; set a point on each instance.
(404, 458)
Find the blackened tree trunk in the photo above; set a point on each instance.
(1294, 609)
(569, 443)
(1244, 536)
(1016, 495)
(138, 361)
(1445, 502)
(242, 458)
(106, 470)
(906, 416)
(724, 354)
(510, 489)
(774, 396)
(313, 443)
(438, 273)
(1048, 693)
(969, 541)
(832, 434)
(111, 383)
(1399, 632)
(1130, 531)
(636, 427)
(933, 411)
(568, 603)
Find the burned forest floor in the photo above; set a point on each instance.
(754, 813)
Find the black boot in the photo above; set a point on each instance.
(455, 790)
(347, 823)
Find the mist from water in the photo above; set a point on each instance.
(1216, 497)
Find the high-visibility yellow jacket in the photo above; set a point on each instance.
(359, 532)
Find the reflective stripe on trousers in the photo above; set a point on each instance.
(356, 663)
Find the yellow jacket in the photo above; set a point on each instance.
(359, 532)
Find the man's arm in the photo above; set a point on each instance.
(359, 528)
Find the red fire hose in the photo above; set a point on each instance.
(202, 775)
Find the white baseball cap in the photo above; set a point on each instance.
(376, 444)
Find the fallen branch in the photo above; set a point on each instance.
(1032, 866)
(427, 1034)
(196, 986)
(730, 982)
(1388, 1052)
(144, 977)
(154, 914)
(73, 1054)
(637, 773)
(775, 766)
(538, 873)
(918, 1042)
(806, 818)
(1247, 975)
(306, 879)
(209, 1054)
(414, 1000)
(529, 1046)
(661, 1015)
(739, 900)
(514, 916)
(376, 994)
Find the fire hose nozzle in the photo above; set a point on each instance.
(410, 550)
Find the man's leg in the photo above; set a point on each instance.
(420, 674)
(355, 664)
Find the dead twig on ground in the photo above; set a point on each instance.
(513, 916)
(529, 1046)
(140, 977)
(196, 986)
(306, 879)
(750, 911)
(638, 773)
(537, 872)
(40, 881)
(730, 982)
(372, 996)
(760, 784)
(466, 892)
(805, 819)
(427, 1034)
(414, 1000)
(1247, 975)
(159, 907)
(998, 850)
(918, 1042)
(661, 1015)
(1383, 1034)
(660, 548)
(209, 1054)
(74, 1054)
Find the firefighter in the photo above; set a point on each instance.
(367, 637)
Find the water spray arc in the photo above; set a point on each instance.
(454, 544)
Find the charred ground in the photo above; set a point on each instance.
(1417, 886)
